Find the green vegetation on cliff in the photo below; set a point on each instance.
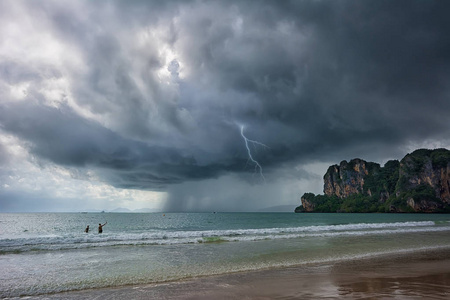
(420, 182)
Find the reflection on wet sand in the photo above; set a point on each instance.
(420, 275)
(414, 276)
(426, 287)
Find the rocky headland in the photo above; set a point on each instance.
(420, 182)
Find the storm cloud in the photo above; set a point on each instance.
(152, 95)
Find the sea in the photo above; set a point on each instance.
(46, 253)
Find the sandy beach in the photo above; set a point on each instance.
(407, 276)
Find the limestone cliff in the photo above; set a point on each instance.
(347, 178)
(420, 182)
(424, 180)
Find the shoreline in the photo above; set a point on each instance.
(423, 274)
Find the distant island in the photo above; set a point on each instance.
(419, 183)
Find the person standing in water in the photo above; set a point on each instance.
(87, 229)
(100, 227)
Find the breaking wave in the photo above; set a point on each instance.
(168, 237)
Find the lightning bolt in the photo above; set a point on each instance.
(250, 156)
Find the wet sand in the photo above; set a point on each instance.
(424, 275)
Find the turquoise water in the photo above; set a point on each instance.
(49, 252)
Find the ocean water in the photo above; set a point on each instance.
(42, 253)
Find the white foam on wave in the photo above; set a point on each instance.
(163, 237)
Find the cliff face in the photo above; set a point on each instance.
(307, 205)
(420, 182)
(347, 178)
(424, 180)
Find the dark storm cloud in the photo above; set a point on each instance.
(313, 80)
(334, 74)
(66, 139)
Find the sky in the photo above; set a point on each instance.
(211, 105)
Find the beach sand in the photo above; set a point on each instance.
(424, 275)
